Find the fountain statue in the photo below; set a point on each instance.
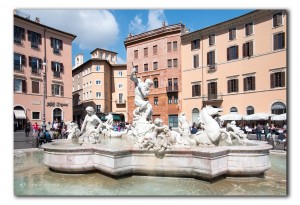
(154, 149)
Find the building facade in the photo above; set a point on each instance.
(100, 83)
(41, 50)
(239, 65)
(156, 55)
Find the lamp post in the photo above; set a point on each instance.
(44, 97)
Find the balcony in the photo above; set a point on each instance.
(56, 74)
(56, 51)
(172, 89)
(18, 67)
(35, 70)
(120, 102)
(212, 68)
(34, 44)
(213, 97)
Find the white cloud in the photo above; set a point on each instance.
(120, 60)
(155, 19)
(93, 28)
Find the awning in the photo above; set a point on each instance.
(116, 118)
(20, 114)
(257, 116)
(232, 116)
(279, 117)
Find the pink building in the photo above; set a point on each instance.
(239, 65)
(34, 44)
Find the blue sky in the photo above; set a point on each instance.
(107, 29)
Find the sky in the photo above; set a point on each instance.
(108, 29)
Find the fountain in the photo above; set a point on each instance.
(151, 148)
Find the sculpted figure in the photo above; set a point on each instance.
(141, 91)
(91, 127)
(184, 127)
(236, 132)
(73, 131)
(110, 129)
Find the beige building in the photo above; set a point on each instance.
(100, 83)
(41, 50)
(239, 65)
(156, 55)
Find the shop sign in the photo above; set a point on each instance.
(58, 104)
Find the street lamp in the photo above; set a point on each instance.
(44, 97)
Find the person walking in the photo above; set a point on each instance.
(273, 135)
(27, 129)
(35, 128)
(266, 131)
(258, 131)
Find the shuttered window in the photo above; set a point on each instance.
(212, 39)
(57, 45)
(35, 39)
(57, 90)
(145, 51)
(19, 34)
(249, 29)
(35, 64)
(277, 19)
(19, 61)
(233, 85)
(211, 58)
(35, 86)
(212, 90)
(196, 61)
(279, 41)
(57, 68)
(155, 49)
(174, 45)
(232, 34)
(136, 54)
(249, 83)
(146, 67)
(232, 53)
(277, 79)
(155, 65)
(169, 46)
(169, 63)
(196, 90)
(248, 49)
(195, 44)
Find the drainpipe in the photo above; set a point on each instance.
(44, 83)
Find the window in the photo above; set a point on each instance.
(250, 110)
(233, 85)
(120, 86)
(195, 44)
(211, 39)
(212, 90)
(155, 82)
(170, 100)
(211, 58)
(155, 49)
(145, 51)
(278, 108)
(136, 54)
(175, 99)
(146, 67)
(196, 61)
(169, 46)
(35, 39)
(35, 64)
(20, 85)
(175, 63)
(233, 109)
(136, 68)
(249, 83)
(248, 49)
(249, 29)
(57, 90)
(36, 116)
(175, 84)
(278, 41)
(19, 34)
(173, 121)
(120, 73)
(277, 79)
(101, 55)
(121, 97)
(232, 34)
(57, 69)
(98, 82)
(19, 61)
(155, 100)
(155, 65)
(98, 108)
(57, 45)
(170, 82)
(196, 90)
(98, 94)
(232, 53)
(277, 19)
(169, 63)
(35, 86)
(174, 45)
(195, 115)
(98, 68)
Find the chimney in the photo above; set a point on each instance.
(37, 19)
(163, 24)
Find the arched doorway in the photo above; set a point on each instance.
(19, 118)
(57, 114)
(278, 108)
(195, 115)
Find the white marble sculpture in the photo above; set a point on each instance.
(91, 127)
(211, 133)
(183, 125)
(236, 133)
(73, 131)
(108, 128)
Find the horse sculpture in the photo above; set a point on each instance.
(212, 132)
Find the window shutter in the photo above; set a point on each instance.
(274, 20)
(192, 47)
(233, 34)
(62, 67)
(40, 64)
(282, 79)
(237, 52)
(253, 82)
(227, 54)
(245, 84)
(24, 87)
(29, 35)
(209, 89)
(30, 61)
(237, 85)
(251, 48)
(275, 42)
(228, 86)
(52, 42)
(283, 40)
(216, 89)
(230, 34)
(62, 90)
(208, 62)
(213, 61)
(52, 66)
(40, 39)
(199, 90)
(23, 33)
(61, 45)
(251, 28)
(272, 80)
(279, 19)
(244, 50)
(52, 87)
(23, 60)
(193, 90)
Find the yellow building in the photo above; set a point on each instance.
(239, 65)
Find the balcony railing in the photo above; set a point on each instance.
(120, 101)
(56, 50)
(212, 68)
(56, 74)
(213, 97)
(34, 44)
(35, 70)
(172, 88)
(18, 67)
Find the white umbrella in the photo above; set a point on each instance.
(258, 116)
(279, 117)
(231, 116)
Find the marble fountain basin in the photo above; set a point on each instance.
(124, 159)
